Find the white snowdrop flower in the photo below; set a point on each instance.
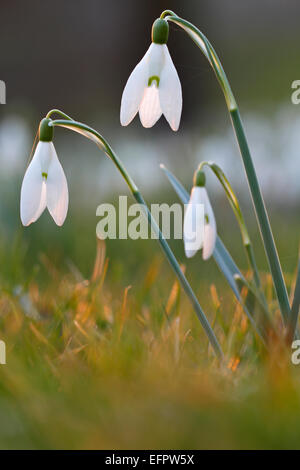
(199, 228)
(153, 87)
(44, 184)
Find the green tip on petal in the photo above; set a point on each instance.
(199, 178)
(45, 131)
(152, 79)
(160, 31)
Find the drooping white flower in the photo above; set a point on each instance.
(198, 231)
(44, 185)
(153, 87)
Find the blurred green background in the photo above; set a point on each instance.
(77, 56)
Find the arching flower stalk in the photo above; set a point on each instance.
(253, 302)
(90, 133)
(262, 217)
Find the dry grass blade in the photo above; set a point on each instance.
(99, 260)
(123, 310)
(174, 296)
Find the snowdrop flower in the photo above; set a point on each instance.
(44, 184)
(153, 87)
(199, 228)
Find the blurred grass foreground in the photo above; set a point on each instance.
(93, 365)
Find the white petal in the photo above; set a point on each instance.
(157, 59)
(150, 110)
(210, 230)
(134, 90)
(170, 93)
(193, 226)
(43, 201)
(57, 190)
(33, 200)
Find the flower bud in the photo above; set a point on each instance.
(160, 31)
(199, 178)
(45, 131)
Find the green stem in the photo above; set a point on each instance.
(103, 145)
(259, 206)
(262, 217)
(58, 111)
(167, 13)
(181, 277)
